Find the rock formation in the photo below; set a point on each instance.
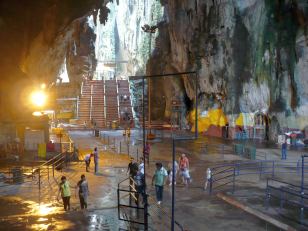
(250, 55)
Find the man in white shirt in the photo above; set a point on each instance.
(87, 160)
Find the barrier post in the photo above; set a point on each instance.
(261, 166)
(120, 147)
(48, 171)
(211, 184)
(233, 186)
(39, 179)
(53, 169)
(32, 172)
(267, 198)
(273, 169)
(114, 143)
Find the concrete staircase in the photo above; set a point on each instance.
(124, 99)
(112, 110)
(104, 101)
(91, 103)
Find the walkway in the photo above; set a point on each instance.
(195, 209)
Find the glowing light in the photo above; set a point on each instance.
(38, 113)
(43, 85)
(38, 98)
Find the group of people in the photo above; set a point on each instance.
(161, 175)
(82, 185)
(137, 178)
(65, 191)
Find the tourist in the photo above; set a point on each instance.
(64, 189)
(132, 168)
(87, 160)
(208, 177)
(147, 150)
(158, 180)
(141, 165)
(95, 154)
(284, 147)
(83, 192)
(184, 168)
(139, 180)
(170, 172)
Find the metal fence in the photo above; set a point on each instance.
(224, 176)
(287, 194)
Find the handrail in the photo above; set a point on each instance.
(283, 182)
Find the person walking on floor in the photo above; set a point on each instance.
(184, 168)
(170, 172)
(141, 166)
(83, 192)
(95, 154)
(64, 189)
(284, 147)
(139, 180)
(208, 178)
(158, 180)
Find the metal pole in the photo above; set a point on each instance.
(303, 166)
(173, 179)
(144, 179)
(120, 147)
(39, 170)
(149, 89)
(196, 106)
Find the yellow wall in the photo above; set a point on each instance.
(214, 117)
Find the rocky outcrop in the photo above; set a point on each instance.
(251, 56)
(35, 39)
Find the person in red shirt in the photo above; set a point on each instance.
(184, 168)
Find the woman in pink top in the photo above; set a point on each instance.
(184, 168)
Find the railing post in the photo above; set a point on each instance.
(120, 147)
(233, 186)
(39, 179)
(211, 185)
(53, 169)
(107, 140)
(128, 148)
(273, 169)
(261, 169)
(114, 143)
(137, 154)
(267, 196)
(118, 194)
(32, 171)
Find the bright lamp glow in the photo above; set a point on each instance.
(38, 98)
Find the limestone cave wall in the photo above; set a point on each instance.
(36, 38)
(251, 56)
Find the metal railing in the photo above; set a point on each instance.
(287, 193)
(123, 146)
(224, 176)
(126, 210)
